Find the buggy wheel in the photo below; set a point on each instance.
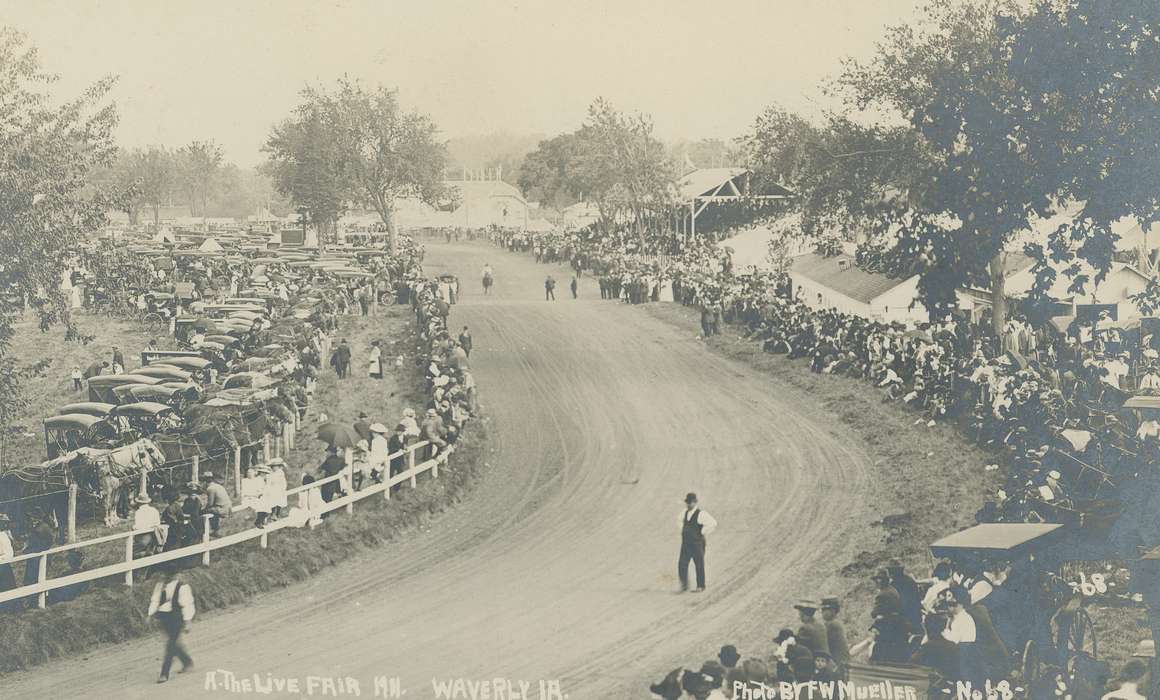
(1030, 664)
(154, 323)
(1081, 635)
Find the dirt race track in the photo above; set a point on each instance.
(561, 564)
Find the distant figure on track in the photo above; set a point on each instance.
(488, 279)
(550, 288)
(696, 525)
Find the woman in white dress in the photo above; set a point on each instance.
(375, 368)
(377, 457)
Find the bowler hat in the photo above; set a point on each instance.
(729, 655)
(690, 497)
(831, 603)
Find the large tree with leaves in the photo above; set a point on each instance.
(199, 165)
(49, 152)
(392, 153)
(308, 165)
(1006, 142)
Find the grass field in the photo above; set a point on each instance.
(926, 482)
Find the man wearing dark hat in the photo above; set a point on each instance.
(887, 600)
(696, 525)
(835, 632)
(908, 596)
(363, 427)
(811, 633)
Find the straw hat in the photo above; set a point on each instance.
(142, 499)
(378, 428)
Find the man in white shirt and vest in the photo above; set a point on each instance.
(696, 524)
(172, 605)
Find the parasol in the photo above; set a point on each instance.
(338, 435)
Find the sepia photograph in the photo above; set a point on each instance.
(580, 350)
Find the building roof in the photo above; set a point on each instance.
(852, 282)
(704, 182)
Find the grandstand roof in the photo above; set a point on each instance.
(706, 182)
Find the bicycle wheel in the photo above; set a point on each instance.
(1081, 635)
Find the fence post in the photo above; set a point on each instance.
(265, 447)
(41, 575)
(205, 540)
(350, 478)
(264, 539)
(195, 470)
(411, 468)
(238, 472)
(129, 559)
(72, 513)
(144, 482)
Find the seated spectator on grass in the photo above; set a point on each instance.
(146, 517)
(217, 501)
(310, 500)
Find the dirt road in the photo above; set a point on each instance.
(561, 565)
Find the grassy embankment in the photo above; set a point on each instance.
(114, 613)
(924, 483)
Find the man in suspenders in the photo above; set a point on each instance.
(172, 605)
(696, 524)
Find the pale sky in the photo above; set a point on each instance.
(228, 70)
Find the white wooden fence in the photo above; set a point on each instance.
(126, 568)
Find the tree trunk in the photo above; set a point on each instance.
(387, 214)
(998, 295)
(156, 217)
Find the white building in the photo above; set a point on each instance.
(837, 283)
(484, 203)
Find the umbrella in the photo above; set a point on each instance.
(338, 435)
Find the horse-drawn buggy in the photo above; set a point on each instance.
(1022, 573)
(102, 388)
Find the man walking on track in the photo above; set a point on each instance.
(696, 525)
(488, 279)
(172, 605)
(550, 289)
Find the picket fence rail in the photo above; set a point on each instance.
(45, 584)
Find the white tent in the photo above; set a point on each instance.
(210, 245)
